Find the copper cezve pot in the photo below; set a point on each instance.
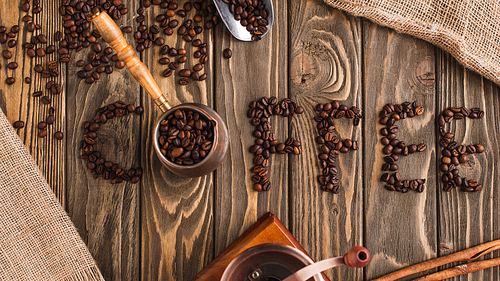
(112, 34)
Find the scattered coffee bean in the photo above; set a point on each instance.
(59, 135)
(18, 124)
(46, 100)
(12, 65)
(120, 64)
(127, 29)
(50, 119)
(164, 61)
(227, 53)
(6, 54)
(10, 80)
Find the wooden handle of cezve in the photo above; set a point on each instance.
(112, 34)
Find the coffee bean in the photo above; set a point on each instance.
(25, 6)
(120, 64)
(204, 59)
(183, 81)
(12, 65)
(46, 100)
(12, 43)
(173, 65)
(42, 133)
(160, 41)
(42, 38)
(385, 177)
(167, 72)
(40, 52)
(10, 80)
(127, 29)
(42, 125)
(421, 147)
(173, 52)
(18, 124)
(6, 54)
(50, 119)
(397, 176)
(185, 73)
(168, 31)
(479, 148)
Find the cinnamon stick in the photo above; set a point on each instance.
(460, 269)
(465, 255)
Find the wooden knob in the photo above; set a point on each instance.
(357, 257)
(112, 34)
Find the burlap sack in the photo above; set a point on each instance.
(468, 29)
(37, 239)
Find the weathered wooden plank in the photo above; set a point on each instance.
(325, 65)
(256, 69)
(106, 215)
(176, 213)
(18, 102)
(400, 229)
(469, 219)
(15, 99)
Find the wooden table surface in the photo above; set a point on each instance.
(168, 228)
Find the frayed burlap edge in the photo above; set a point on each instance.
(88, 274)
(38, 241)
(436, 33)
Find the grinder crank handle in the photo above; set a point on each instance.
(112, 34)
(356, 257)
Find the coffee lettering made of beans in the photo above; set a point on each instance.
(454, 154)
(394, 148)
(266, 142)
(330, 144)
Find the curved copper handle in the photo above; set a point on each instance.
(112, 34)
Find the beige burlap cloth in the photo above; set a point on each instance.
(468, 29)
(37, 239)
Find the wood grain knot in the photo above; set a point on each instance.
(426, 72)
(443, 247)
(303, 69)
(320, 63)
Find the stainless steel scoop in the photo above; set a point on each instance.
(240, 32)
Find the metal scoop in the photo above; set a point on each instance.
(239, 31)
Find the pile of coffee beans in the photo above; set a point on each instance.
(78, 35)
(98, 64)
(186, 137)
(96, 162)
(394, 148)
(252, 14)
(454, 154)
(330, 144)
(266, 142)
(177, 18)
(77, 23)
